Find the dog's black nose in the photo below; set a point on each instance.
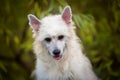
(56, 52)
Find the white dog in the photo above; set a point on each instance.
(58, 53)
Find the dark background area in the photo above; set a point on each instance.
(97, 23)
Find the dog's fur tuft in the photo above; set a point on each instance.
(69, 63)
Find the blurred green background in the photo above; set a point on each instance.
(98, 26)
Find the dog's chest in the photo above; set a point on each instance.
(60, 74)
(56, 72)
(58, 69)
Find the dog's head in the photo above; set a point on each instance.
(53, 31)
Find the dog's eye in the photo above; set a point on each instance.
(48, 39)
(60, 37)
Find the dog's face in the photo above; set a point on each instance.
(55, 45)
(53, 32)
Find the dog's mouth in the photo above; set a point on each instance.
(57, 57)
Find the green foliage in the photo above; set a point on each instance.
(97, 23)
(100, 37)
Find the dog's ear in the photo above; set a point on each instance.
(67, 14)
(34, 22)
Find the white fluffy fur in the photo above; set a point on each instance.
(74, 65)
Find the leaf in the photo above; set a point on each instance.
(37, 8)
(16, 40)
(51, 7)
(2, 67)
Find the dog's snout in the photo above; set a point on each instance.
(56, 52)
